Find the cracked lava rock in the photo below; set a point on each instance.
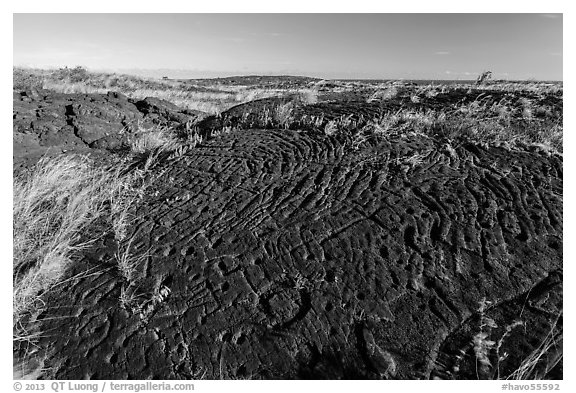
(280, 254)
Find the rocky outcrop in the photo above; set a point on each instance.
(45, 122)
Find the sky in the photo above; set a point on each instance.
(378, 46)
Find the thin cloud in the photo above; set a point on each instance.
(442, 53)
(551, 16)
(236, 40)
(273, 34)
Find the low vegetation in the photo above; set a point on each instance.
(489, 355)
(509, 122)
(53, 207)
(146, 140)
(500, 113)
(545, 357)
(211, 98)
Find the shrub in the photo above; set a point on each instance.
(73, 75)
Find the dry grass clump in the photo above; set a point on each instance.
(420, 122)
(385, 94)
(331, 128)
(308, 96)
(53, 207)
(543, 88)
(489, 356)
(56, 206)
(62, 206)
(544, 358)
(125, 191)
(505, 122)
(145, 140)
(283, 115)
(493, 362)
(128, 265)
(32, 368)
(149, 145)
(482, 343)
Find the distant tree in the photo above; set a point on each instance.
(484, 77)
(79, 74)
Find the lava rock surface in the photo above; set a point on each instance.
(284, 254)
(49, 123)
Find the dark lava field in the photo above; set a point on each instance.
(286, 254)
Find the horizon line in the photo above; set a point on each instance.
(133, 71)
